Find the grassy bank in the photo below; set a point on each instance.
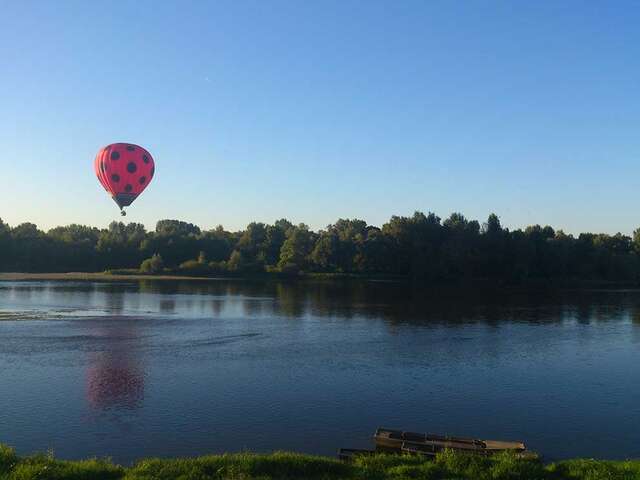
(284, 465)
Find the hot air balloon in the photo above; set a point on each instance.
(124, 170)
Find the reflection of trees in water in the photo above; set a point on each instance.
(253, 307)
(60, 289)
(114, 296)
(635, 322)
(400, 302)
(217, 306)
(291, 299)
(167, 306)
(115, 377)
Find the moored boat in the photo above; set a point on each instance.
(425, 443)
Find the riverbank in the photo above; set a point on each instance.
(283, 465)
(92, 276)
(134, 274)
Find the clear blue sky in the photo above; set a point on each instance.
(316, 110)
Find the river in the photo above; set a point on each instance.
(172, 368)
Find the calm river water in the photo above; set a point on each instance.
(146, 368)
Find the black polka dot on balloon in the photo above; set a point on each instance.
(115, 177)
(142, 180)
(128, 188)
(115, 155)
(153, 171)
(131, 167)
(145, 158)
(131, 148)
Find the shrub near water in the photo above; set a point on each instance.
(8, 460)
(589, 469)
(44, 467)
(290, 466)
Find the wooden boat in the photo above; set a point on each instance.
(425, 443)
(419, 449)
(347, 454)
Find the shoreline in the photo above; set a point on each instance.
(119, 275)
(96, 276)
(288, 466)
(132, 275)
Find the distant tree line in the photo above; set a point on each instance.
(420, 246)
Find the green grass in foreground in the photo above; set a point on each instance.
(283, 465)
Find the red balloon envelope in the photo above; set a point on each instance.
(124, 170)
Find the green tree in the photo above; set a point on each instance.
(295, 249)
(252, 245)
(276, 234)
(32, 249)
(416, 244)
(119, 245)
(176, 241)
(75, 247)
(196, 267)
(5, 246)
(237, 262)
(176, 228)
(217, 244)
(326, 251)
(492, 256)
(152, 265)
(461, 252)
(373, 254)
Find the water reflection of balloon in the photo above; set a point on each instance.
(113, 383)
(115, 377)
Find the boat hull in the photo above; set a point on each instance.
(411, 442)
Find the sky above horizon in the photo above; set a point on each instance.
(315, 111)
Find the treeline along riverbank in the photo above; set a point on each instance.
(422, 246)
